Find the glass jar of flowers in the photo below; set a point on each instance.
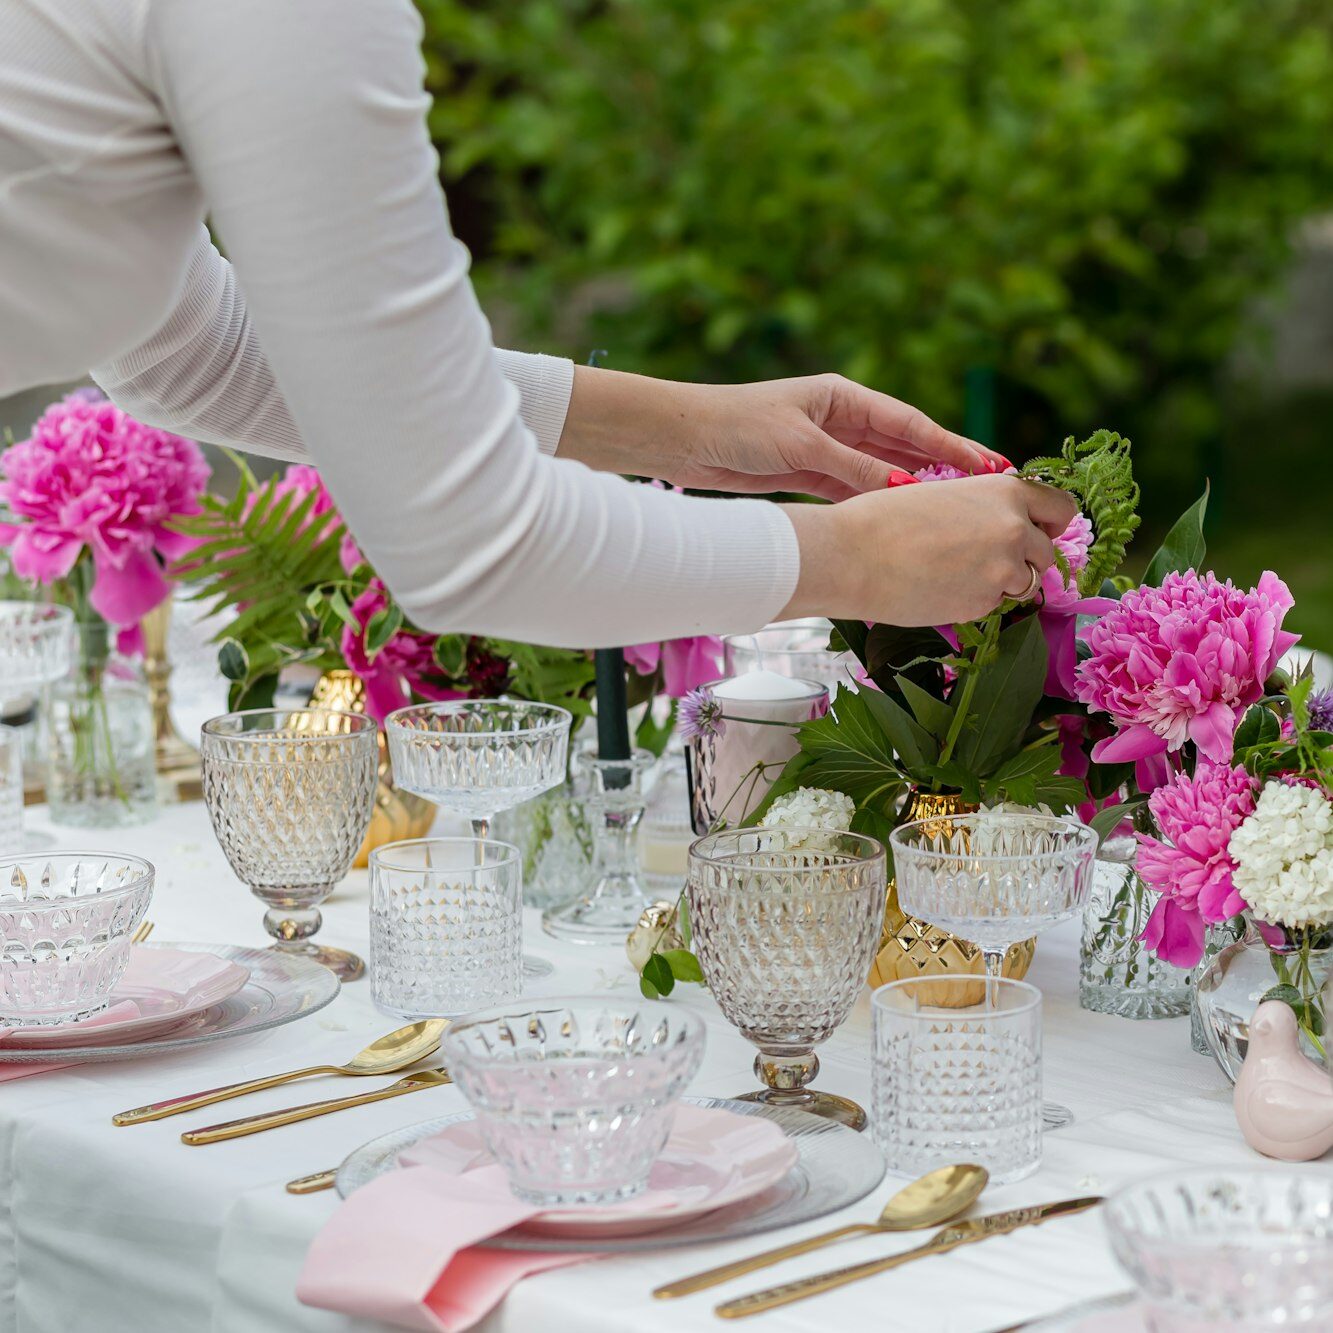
(87, 504)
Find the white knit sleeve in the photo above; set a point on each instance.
(305, 125)
(204, 374)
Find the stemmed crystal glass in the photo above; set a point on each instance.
(35, 644)
(476, 757)
(995, 879)
(785, 924)
(290, 793)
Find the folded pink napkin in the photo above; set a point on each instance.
(117, 1013)
(398, 1250)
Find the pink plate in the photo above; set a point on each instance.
(713, 1158)
(161, 988)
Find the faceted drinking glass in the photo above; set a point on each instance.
(11, 790)
(957, 1083)
(1240, 1249)
(798, 648)
(995, 879)
(477, 757)
(610, 905)
(446, 925)
(575, 1097)
(66, 919)
(290, 793)
(785, 923)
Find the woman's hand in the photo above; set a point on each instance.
(926, 555)
(819, 435)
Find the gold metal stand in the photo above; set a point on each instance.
(178, 769)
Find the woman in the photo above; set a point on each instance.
(299, 127)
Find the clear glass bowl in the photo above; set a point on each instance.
(575, 1097)
(1243, 1250)
(65, 924)
(35, 643)
(476, 757)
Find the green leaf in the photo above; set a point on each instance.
(684, 965)
(383, 625)
(342, 609)
(647, 989)
(233, 660)
(1184, 546)
(657, 973)
(911, 742)
(1287, 994)
(933, 714)
(851, 636)
(1259, 726)
(1105, 822)
(683, 920)
(1006, 692)
(917, 653)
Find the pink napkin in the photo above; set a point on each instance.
(117, 1013)
(398, 1250)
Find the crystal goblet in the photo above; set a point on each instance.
(1229, 1248)
(290, 793)
(995, 879)
(476, 757)
(785, 923)
(611, 790)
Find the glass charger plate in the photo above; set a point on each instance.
(1107, 1314)
(837, 1166)
(281, 989)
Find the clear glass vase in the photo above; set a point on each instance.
(100, 768)
(1237, 978)
(554, 833)
(1117, 974)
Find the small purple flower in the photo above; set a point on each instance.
(700, 714)
(1321, 710)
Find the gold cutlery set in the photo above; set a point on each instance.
(389, 1054)
(933, 1199)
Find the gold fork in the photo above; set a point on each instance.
(143, 931)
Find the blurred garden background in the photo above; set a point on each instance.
(1030, 217)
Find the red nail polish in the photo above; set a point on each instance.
(897, 478)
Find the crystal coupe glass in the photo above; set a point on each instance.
(476, 757)
(995, 879)
(290, 793)
(575, 1097)
(1229, 1249)
(785, 923)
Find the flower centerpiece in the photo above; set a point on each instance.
(90, 503)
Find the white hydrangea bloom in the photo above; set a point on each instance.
(1284, 856)
(810, 808)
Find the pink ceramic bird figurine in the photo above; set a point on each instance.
(1283, 1101)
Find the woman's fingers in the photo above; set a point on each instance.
(1049, 508)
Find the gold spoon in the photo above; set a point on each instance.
(386, 1055)
(256, 1124)
(935, 1197)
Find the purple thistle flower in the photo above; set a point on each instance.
(1321, 710)
(700, 714)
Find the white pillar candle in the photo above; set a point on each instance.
(765, 685)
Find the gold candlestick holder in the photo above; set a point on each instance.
(177, 761)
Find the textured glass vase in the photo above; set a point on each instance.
(1117, 975)
(554, 834)
(100, 763)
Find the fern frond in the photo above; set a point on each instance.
(1099, 473)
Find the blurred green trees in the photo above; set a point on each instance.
(1083, 195)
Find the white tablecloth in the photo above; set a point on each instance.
(107, 1229)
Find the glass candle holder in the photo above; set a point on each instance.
(1229, 1250)
(290, 793)
(575, 1097)
(784, 923)
(35, 645)
(446, 926)
(957, 1084)
(734, 758)
(66, 919)
(797, 648)
(611, 791)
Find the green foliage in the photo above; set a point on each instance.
(1099, 473)
(1183, 547)
(1084, 195)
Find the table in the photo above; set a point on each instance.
(105, 1229)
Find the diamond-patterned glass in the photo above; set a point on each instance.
(446, 925)
(954, 1084)
(35, 644)
(65, 924)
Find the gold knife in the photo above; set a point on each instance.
(255, 1124)
(312, 1184)
(944, 1240)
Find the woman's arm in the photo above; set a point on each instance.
(205, 375)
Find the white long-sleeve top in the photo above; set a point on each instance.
(345, 327)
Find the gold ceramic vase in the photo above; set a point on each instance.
(911, 948)
(398, 814)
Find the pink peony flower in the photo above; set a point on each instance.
(1182, 663)
(686, 663)
(1191, 868)
(404, 666)
(91, 477)
(1060, 604)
